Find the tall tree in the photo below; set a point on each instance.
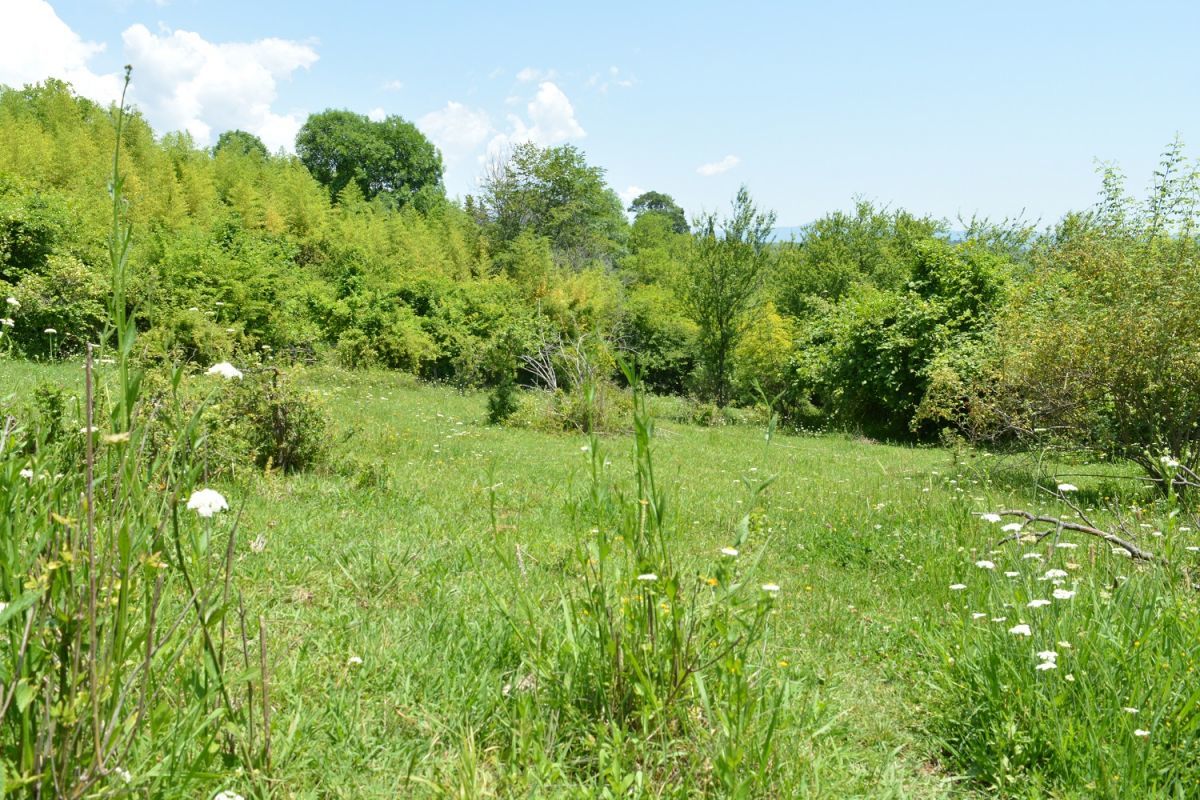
(722, 282)
(241, 142)
(659, 203)
(389, 159)
(554, 193)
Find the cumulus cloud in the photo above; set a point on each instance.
(551, 121)
(35, 44)
(393, 86)
(184, 82)
(717, 167)
(377, 115)
(458, 131)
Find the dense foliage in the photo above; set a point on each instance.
(875, 320)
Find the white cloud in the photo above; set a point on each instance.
(602, 82)
(393, 86)
(717, 167)
(377, 115)
(35, 44)
(630, 194)
(183, 82)
(530, 74)
(457, 130)
(551, 121)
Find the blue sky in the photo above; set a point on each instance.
(950, 109)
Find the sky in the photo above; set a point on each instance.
(1000, 109)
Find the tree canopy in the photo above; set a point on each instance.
(389, 159)
(663, 204)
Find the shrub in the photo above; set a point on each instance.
(502, 402)
(283, 428)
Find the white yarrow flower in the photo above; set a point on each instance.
(957, 587)
(227, 794)
(1047, 655)
(207, 502)
(1068, 487)
(1129, 710)
(1141, 733)
(1011, 574)
(770, 588)
(1037, 603)
(225, 370)
(1013, 527)
(1064, 594)
(50, 331)
(27, 474)
(985, 564)
(1020, 630)
(1045, 665)
(7, 322)
(729, 551)
(647, 577)
(990, 517)
(1054, 573)
(14, 302)
(354, 661)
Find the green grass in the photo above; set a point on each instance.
(386, 555)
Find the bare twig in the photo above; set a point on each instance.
(1060, 524)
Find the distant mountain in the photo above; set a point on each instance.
(786, 233)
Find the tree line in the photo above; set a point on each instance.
(876, 319)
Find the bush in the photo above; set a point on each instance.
(502, 402)
(281, 427)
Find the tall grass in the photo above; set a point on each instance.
(125, 668)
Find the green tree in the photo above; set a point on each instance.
(722, 283)
(662, 204)
(390, 159)
(554, 193)
(241, 142)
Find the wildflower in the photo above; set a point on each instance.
(207, 502)
(115, 438)
(770, 588)
(1141, 733)
(1045, 665)
(1066, 545)
(1129, 710)
(957, 587)
(984, 564)
(990, 517)
(1069, 677)
(1034, 556)
(354, 661)
(7, 322)
(1011, 574)
(1063, 594)
(50, 331)
(1068, 487)
(259, 544)
(14, 302)
(1054, 573)
(999, 619)
(1037, 603)
(1020, 630)
(978, 615)
(1013, 527)
(647, 577)
(227, 794)
(1064, 645)
(87, 430)
(729, 551)
(123, 774)
(225, 370)
(1047, 655)
(27, 474)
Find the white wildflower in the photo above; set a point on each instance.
(770, 588)
(1045, 665)
(7, 322)
(1068, 487)
(227, 794)
(1141, 733)
(1063, 594)
(729, 551)
(1129, 710)
(1034, 556)
(1054, 573)
(207, 502)
(1020, 630)
(123, 774)
(50, 331)
(1037, 603)
(27, 474)
(1013, 527)
(225, 370)
(1047, 655)
(354, 661)
(1011, 574)
(990, 517)
(957, 587)
(1066, 545)
(14, 302)
(985, 564)
(647, 577)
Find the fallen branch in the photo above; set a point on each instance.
(1061, 525)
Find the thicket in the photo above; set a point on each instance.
(875, 320)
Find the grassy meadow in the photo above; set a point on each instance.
(380, 577)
